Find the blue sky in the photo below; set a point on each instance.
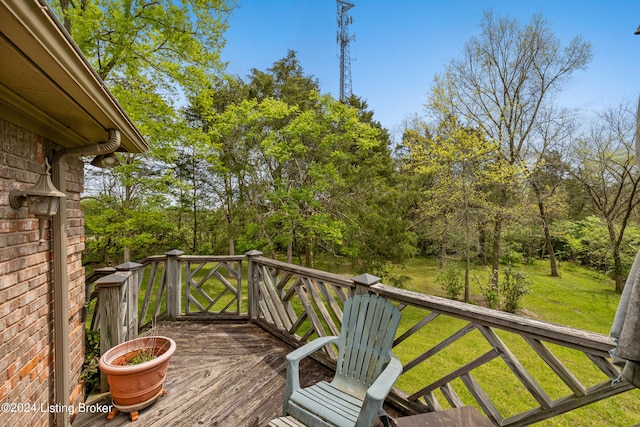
(400, 45)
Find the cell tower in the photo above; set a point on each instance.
(343, 40)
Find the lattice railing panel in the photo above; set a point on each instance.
(516, 370)
(300, 303)
(212, 285)
(152, 290)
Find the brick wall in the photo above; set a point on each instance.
(26, 287)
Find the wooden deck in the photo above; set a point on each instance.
(232, 374)
(222, 374)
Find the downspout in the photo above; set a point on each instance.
(62, 388)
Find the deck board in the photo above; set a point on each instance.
(222, 374)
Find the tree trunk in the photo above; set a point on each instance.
(195, 223)
(290, 252)
(482, 242)
(497, 230)
(64, 6)
(232, 246)
(618, 276)
(547, 241)
(228, 210)
(128, 191)
(467, 251)
(309, 255)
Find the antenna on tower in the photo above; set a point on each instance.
(343, 40)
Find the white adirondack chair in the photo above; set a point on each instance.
(366, 369)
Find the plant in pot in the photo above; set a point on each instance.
(135, 372)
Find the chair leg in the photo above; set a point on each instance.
(387, 421)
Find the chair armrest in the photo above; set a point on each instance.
(292, 382)
(310, 348)
(378, 391)
(382, 385)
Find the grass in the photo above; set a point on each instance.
(579, 298)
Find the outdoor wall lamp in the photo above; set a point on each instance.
(108, 160)
(43, 199)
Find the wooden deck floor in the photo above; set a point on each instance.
(222, 374)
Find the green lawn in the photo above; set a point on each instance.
(579, 298)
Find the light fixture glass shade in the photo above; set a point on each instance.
(105, 161)
(42, 199)
(43, 196)
(43, 206)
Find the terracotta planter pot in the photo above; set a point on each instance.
(136, 386)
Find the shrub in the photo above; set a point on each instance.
(398, 280)
(513, 286)
(513, 257)
(450, 279)
(90, 373)
(488, 290)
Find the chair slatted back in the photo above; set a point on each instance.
(369, 325)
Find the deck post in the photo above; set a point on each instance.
(252, 301)
(88, 290)
(174, 284)
(364, 281)
(133, 289)
(112, 313)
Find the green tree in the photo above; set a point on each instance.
(193, 189)
(285, 81)
(499, 85)
(173, 43)
(312, 156)
(130, 195)
(206, 169)
(462, 165)
(297, 171)
(546, 164)
(112, 229)
(605, 164)
(151, 55)
(374, 203)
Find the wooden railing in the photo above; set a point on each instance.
(147, 278)
(296, 303)
(454, 354)
(153, 285)
(499, 351)
(161, 285)
(213, 285)
(516, 370)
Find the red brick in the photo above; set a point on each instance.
(12, 369)
(26, 322)
(4, 390)
(26, 370)
(13, 318)
(7, 280)
(8, 226)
